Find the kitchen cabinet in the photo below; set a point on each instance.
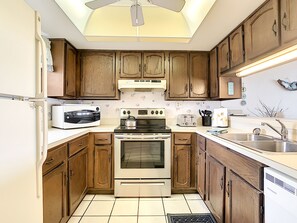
(55, 186)
(213, 74)
(77, 171)
(230, 51)
(198, 75)
(246, 209)
(183, 162)
(288, 14)
(215, 187)
(103, 161)
(98, 75)
(234, 185)
(201, 165)
(136, 65)
(223, 55)
(261, 30)
(178, 75)
(62, 81)
(188, 75)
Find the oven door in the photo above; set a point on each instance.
(143, 155)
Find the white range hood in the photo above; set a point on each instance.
(142, 85)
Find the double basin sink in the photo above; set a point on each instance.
(261, 143)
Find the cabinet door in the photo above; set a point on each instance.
(103, 167)
(153, 65)
(182, 166)
(288, 20)
(244, 201)
(178, 75)
(54, 195)
(236, 47)
(213, 74)
(199, 75)
(77, 179)
(201, 173)
(215, 184)
(223, 56)
(98, 75)
(131, 66)
(70, 71)
(262, 30)
(229, 87)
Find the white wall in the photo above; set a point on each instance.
(110, 109)
(263, 86)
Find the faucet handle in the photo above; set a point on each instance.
(256, 131)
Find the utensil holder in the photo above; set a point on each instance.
(206, 120)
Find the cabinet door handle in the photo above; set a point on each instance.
(71, 174)
(186, 88)
(228, 188)
(139, 67)
(222, 182)
(144, 67)
(191, 87)
(284, 21)
(274, 28)
(48, 162)
(227, 57)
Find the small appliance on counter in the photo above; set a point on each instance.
(70, 116)
(187, 120)
(220, 118)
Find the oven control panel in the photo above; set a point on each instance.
(143, 113)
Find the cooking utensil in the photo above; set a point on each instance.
(130, 121)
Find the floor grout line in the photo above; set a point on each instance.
(111, 210)
(187, 204)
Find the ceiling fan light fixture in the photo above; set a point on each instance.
(136, 15)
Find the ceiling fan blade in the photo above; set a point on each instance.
(173, 5)
(99, 3)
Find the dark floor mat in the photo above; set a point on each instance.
(191, 218)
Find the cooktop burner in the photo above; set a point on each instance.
(151, 120)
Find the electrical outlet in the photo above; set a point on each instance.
(178, 104)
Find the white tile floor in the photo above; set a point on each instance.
(107, 209)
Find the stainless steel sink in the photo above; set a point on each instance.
(245, 137)
(272, 146)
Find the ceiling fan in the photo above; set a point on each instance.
(136, 10)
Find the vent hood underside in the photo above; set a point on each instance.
(142, 85)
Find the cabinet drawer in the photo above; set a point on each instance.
(78, 144)
(103, 139)
(201, 142)
(183, 139)
(54, 158)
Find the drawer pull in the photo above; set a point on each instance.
(48, 162)
(81, 144)
(183, 139)
(102, 139)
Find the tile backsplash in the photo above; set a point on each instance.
(110, 109)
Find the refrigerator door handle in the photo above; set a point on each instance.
(42, 142)
(41, 71)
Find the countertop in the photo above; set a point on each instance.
(286, 163)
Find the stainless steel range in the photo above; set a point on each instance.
(142, 154)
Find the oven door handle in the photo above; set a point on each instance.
(142, 136)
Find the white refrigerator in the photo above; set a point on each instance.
(23, 113)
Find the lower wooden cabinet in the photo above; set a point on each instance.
(234, 185)
(215, 185)
(183, 162)
(201, 172)
(54, 195)
(243, 202)
(103, 167)
(77, 166)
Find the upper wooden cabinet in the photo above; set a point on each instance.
(288, 9)
(230, 51)
(213, 74)
(262, 30)
(137, 65)
(153, 65)
(62, 81)
(178, 75)
(98, 75)
(188, 75)
(223, 55)
(236, 47)
(199, 75)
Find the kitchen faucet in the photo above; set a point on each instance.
(284, 131)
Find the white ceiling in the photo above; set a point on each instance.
(224, 16)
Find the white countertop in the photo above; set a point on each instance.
(286, 163)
